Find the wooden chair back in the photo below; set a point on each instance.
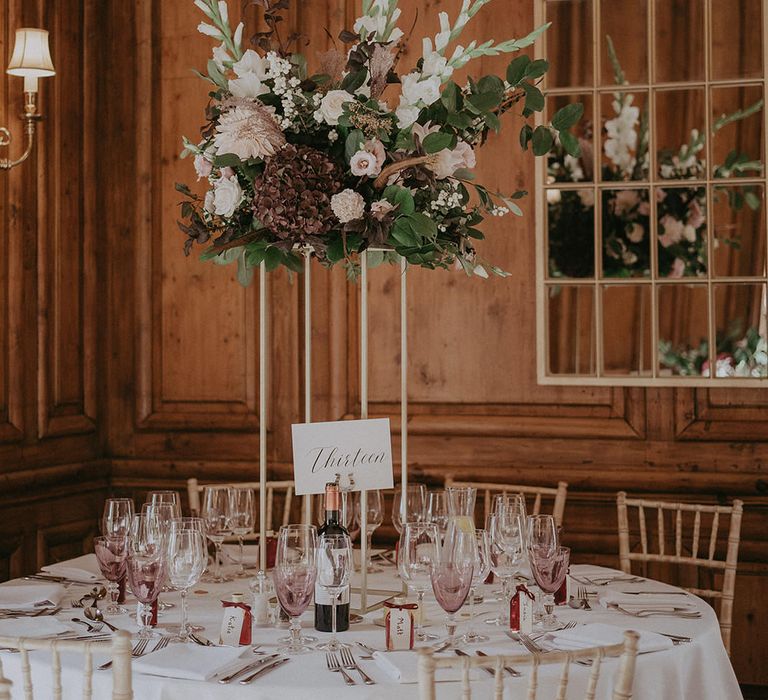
(682, 555)
(120, 652)
(622, 689)
(282, 488)
(531, 493)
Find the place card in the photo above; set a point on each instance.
(357, 453)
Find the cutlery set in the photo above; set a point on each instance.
(140, 648)
(348, 663)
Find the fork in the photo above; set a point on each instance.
(534, 648)
(652, 612)
(582, 595)
(351, 665)
(333, 665)
(138, 650)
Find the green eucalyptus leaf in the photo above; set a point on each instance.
(534, 100)
(516, 70)
(450, 96)
(526, 134)
(438, 141)
(491, 84)
(272, 258)
(402, 232)
(354, 143)
(492, 121)
(460, 120)
(485, 102)
(422, 225)
(570, 144)
(568, 116)
(542, 140)
(535, 69)
(353, 81)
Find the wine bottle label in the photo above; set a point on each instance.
(324, 597)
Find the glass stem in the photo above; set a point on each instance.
(216, 552)
(145, 617)
(242, 561)
(368, 538)
(471, 630)
(333, 617)
(295, 629)
(420, 615)
(114, 594)
(184, 633)
(506, 591)
(450, 626)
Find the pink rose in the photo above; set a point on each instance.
(626, 200)
(203, 166)
(364, 163)
(376, 148)
(448, 162)
(695, 214)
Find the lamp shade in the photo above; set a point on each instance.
(31, 56)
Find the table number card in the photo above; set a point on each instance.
(360, 450)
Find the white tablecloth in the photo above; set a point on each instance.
(700, 670)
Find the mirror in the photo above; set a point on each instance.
(653, 243)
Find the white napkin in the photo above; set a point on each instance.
(657, 601)
(597, 634)
(85, 569)
(231, 553)
(33, 627)
(402, 666)
(30, 596)
(188, 661)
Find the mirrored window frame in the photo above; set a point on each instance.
(657, 376)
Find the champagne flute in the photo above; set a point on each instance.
(187, 558)
(549, 572)
(374, 518)
(334, 567)
(241, 500)
(437, 511)
(218, 525)
(451, 577)
(507, 544)
(417, 554)
(169, 497)
(295, 573)
(112, 553)
(480, 570)
(414, 500)
(117, 517)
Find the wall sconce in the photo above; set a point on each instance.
(31, 60)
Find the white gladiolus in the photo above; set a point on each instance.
(251, 62)
(444, 36)
(209, 30)
(202, 6)
(406, 115)
(415, 90)
(224, 11)
(238, 36)
(220, 55)
(247, 86)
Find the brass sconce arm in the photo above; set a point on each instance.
(30, 117)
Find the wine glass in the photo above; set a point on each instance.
(146, 536)
(437, 511)
(451, 577)
(295, 573)
(417, 554)
(549, 573)
(146, 574)
(112, 553)
(542, 535)
(334, 567)
(480, 570)
(507, 544)
(117, 517)
(169, 497)
(197, 524)
(414, 500)
(187, 557)
(218, 524)
(241, 501)
(374, 517)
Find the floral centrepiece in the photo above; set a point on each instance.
(355, 155)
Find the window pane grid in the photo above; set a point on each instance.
(653, 185)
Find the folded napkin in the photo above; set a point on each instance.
(597, 634)
(85, 569)
(231, 554)
(30, 596)
(33, 627)
(188, 661)
(402, 666)
(657, 601)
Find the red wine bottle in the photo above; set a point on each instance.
(323, 601)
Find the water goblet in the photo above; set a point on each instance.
(117, 517)
(451, 577)
(549, 573)
(112, 553)
(146, 574)
(417, 554)
(334, 568)
(294, 575)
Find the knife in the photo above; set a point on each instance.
(511, 671)
(252, 665)
(264, 668)
(653, 592)
(490, 671)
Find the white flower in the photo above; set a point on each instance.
(480, 271)
(381, 208)
(238, 35)
(220, 54)
(227, 195)
(435, 64)
(364, 163)
(203, 165)
(333, 135)
(448, 161)
(251, 62)
(636, 233)
(415, 90)
(224, 11)
(208, 204)
(423, 130)
(202, 6)
(406, 115)
(554, 196)
(573, 166)
(673, 231)
(348, 205)
(621, 139)
(209, 30)
(371, 25)
(247, 86)
(332, 106)
(689, 233)
(587, 198)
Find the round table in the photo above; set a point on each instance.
(700, 669)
